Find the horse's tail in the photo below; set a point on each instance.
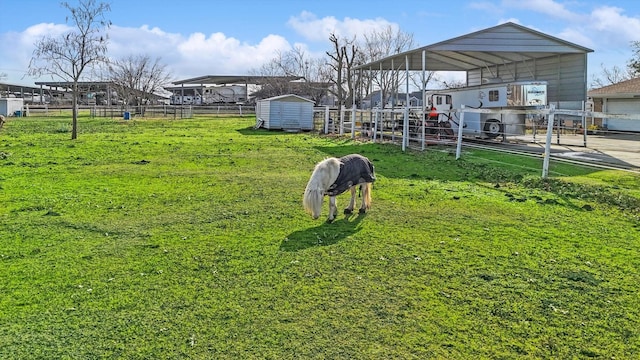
(366, 196)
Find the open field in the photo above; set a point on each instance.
(163, 239)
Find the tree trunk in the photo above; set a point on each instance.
(74, 111)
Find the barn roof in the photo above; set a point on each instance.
(498, 45)
(234, 79)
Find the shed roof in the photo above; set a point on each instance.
(628, 88)
(498, 45)
(287, 97)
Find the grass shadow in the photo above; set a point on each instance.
(252, 131)
(324, 234)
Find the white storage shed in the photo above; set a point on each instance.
(285, 112)
(9, 106)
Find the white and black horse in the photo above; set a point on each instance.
(332, 177)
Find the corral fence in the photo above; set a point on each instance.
(151, 111)
(543, 127)
(409, 128)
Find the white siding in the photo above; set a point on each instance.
(8, 106)
(565, 75)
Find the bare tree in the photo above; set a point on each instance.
(343, 57)
(311, 73)
(614, 75)
(68, 56)
(454, 84)
(274, 84)
(382, 43)
(609, 76)
(633, 65)
(138, 79)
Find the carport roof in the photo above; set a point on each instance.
(498, 45)
(234, 79)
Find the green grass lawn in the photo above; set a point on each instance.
(170, 239)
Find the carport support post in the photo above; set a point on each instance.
(405, 127)
(460, 127)
(547, 144)
(353, 113)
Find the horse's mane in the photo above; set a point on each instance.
(324, 174)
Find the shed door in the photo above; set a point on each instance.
(291, 113)
(623, 106)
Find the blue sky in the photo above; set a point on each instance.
(206, 37)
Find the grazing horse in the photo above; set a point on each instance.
(332, 177)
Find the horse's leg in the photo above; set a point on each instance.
(365, 195)
(352, 203)
(333, 209)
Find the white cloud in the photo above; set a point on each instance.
(605, 29)
(317, 29)
(613, 26)
(218, 54)
(577, 36)
(548, 7)
(194, 55)
(19, 48)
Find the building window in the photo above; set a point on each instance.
(494, 95)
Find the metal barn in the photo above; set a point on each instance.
(285, 112)
(505, 53)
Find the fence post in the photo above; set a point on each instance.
(353, 121)
(342, 121)
(422, 122)
(405, 129)
(584, 123)
(460, 127)
(326, 119)
(547, 144)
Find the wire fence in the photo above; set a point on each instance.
(564, 135)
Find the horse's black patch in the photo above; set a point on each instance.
(354, 169)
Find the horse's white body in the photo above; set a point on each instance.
(324, 175)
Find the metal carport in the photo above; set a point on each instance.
(508, 52)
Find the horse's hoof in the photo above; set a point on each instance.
(362, 211)
(329, 221)
(348, 211)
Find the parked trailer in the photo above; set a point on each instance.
(523, 95)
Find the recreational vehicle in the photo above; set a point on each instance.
(523, 95)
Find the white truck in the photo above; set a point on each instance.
(520, 95)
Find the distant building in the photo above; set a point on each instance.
(620, 98)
